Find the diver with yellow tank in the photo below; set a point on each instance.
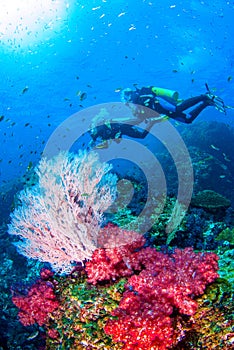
(166, 102)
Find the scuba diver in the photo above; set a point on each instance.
(162, 104)
(166, 102)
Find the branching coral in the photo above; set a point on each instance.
(59, 219)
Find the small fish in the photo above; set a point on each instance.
(215, 148)
(229, 78)
(226, 157)
(132, 27)
(33, 335)
(1, 118)
(84, 194)
(121, 14)
(118, 89)
(24, 90)
(81, 95)
(30, 165)
(222, 176)
(26, 124)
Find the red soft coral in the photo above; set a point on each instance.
(118, 261)
(141, 333)
(159, 285)
(166, 284)
(38, 303)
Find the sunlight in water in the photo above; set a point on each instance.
(25, 22)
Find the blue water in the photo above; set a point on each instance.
(102, 46)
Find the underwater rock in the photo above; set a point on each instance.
(211, 173)
(226, 235)
(210, 200)
(212, 137)
(211, 327)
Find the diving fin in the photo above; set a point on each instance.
(216, 101)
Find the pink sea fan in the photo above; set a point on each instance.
(59, 218)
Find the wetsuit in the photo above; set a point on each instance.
(177, 111)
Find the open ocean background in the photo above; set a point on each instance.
(98, 47)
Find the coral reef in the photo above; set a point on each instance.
(112, 263)
(144, 316)
(78, 323)
(60, 217)
(210, 200)
(211, 326)
(39, 302)
(226, 264)
(137, 313)
(226, 235)
(135, 292)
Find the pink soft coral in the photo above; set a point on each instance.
(166, 284)
(159, 285)
(38, 303)
(117, 261)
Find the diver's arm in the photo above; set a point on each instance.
(151, 121)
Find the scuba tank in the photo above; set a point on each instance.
(166, 94)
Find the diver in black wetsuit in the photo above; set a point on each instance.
(166, 102)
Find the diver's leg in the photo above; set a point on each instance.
(190, 102)
(195, 112)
